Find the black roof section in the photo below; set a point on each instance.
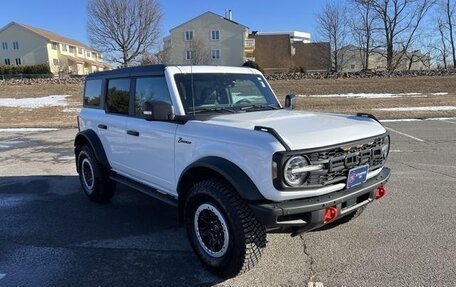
(130, 71)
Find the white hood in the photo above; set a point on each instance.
(303, 130)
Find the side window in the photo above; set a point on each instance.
(117, 96)
(150, 89)
(92, 93)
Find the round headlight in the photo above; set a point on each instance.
(292, 170)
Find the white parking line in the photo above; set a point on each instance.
(406, 135)
(454, 123)
(2, 275)
(315, 284)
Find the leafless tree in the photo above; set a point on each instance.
(334, 27)
(363, 28)
(123, 29)
(416, 56)
(200, 54)
(163, 56)
(400, 19)
(446, 24)
(148, 59)
(443, 39)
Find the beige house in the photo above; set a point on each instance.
(26, 45)
(208, 39)
(351, 61)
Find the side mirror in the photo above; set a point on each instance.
(290, 102)
(158, 111)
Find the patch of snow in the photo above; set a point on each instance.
(15, 130)
(374, 95)
(417, 120)
(412, 109)
(366, 95)
(400, 120)
(64, 158)
(71, 110)
(57, 100)
(9, 144)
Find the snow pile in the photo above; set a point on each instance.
(412, 109)
(375, 95)
(31, 103)
(418, 120)
(14, 130)
(71, 110)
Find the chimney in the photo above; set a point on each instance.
(229, 15)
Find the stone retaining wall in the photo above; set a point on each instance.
(361, 75)
(272, 77)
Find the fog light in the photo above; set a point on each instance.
(331, 213)
(380, 192)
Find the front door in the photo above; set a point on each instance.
(151, 143)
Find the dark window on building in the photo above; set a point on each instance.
(18, 61)
(150, 89)
(118, 96)
(216, 54)
(188, 55)
(80, 51)
(7, 62)
(71, 49)
(92, 94)
(54, 46)
(215, 35)
(5, 45)
(188, 35)
(16, 45)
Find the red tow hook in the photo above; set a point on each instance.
(380, 192)
(330, 213)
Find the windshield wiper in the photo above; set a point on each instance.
(259, 107)
(209, 110)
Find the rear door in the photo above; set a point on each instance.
(150, 143)
(114, 122)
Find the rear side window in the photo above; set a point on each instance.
(118, 95)
(92, 93)
(150, 89)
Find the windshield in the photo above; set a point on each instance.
(224, 92)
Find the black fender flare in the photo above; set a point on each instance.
(91, 138)
(231, 173)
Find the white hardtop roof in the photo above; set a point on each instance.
(211, 69)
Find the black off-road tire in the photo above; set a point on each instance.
(101, 188)
(247, 237)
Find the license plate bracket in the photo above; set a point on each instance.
(357, 176)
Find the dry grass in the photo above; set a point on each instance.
(377, 85)
(55, 117)
(40, 117)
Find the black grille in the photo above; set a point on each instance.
(337, 161)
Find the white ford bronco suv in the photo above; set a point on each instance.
(216, 143)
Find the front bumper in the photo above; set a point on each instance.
(307, 214)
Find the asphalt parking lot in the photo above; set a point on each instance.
(52, 235)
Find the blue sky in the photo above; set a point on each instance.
(68, 18)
